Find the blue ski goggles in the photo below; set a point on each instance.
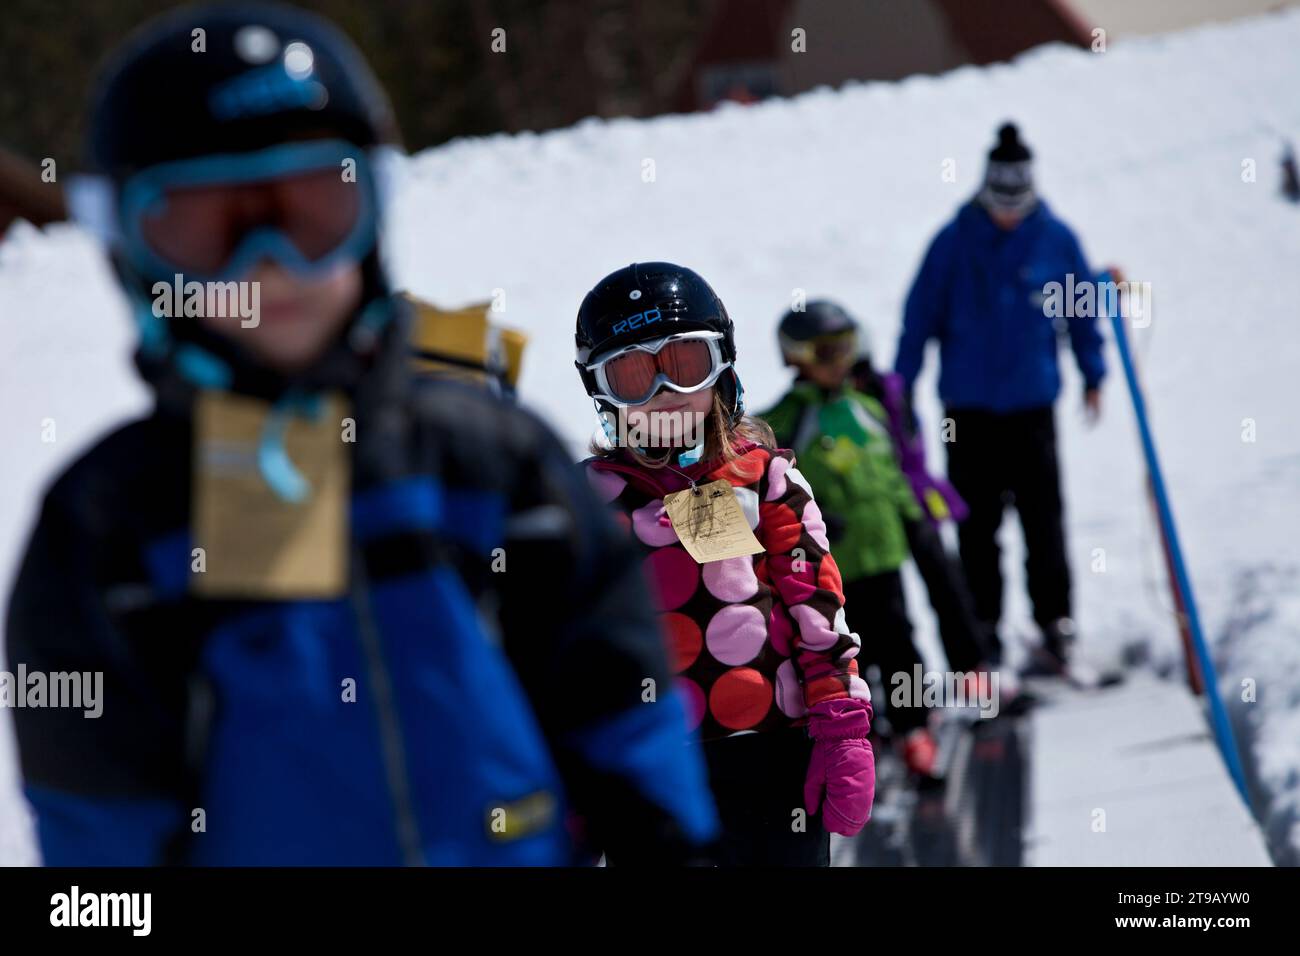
(305, 205)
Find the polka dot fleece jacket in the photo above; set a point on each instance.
(756, 641)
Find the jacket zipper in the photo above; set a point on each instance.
(390, 731)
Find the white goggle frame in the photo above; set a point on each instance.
(604, 393)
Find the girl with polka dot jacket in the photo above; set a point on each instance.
(764, 658)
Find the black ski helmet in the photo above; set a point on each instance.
(818, 318)
(213, 79)
(613, 314)
(228, 78)
(684, 301)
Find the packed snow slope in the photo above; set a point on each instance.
(1145, 149)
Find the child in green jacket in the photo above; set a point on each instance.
(844, 448)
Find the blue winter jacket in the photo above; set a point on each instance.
(980, 293)
(498, 713)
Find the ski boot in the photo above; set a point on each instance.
(1050, 658)
(1055, 658)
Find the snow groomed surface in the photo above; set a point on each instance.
(1130, 776)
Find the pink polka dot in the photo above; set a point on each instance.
(731, 579)
(797, 586)
(736, 634)
(780, 630)
(649, 529)
(789, 695)
(673, 575)
(859, 689)
(692, 699)
(814, 630)
(814, 525)
(776, 477)
(608, 485)
(795, 477)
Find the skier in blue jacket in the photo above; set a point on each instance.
(981, 294)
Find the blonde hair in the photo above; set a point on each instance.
(721, 440)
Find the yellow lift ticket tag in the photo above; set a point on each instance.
(710, 523)
(256, 545)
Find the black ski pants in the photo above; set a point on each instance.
(877, 610)
(965, 642)
(1000, 459)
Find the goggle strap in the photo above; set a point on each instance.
(233, 169)
(237, 169)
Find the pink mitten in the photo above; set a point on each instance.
(843, 768)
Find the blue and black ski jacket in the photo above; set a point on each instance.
(482, 695)
(980, 293)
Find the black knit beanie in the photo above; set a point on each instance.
(1008, 180)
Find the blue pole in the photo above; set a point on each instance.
(1218, 713)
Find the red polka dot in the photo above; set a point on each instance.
(745, 470)
(760, 569)
(740, 698)
(828, 577)
(684, 640)
(673, 576)
(624, 521)
(780, 526)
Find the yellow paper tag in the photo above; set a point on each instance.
(256, 545)
(710, 523)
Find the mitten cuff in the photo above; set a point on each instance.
(846, 718)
